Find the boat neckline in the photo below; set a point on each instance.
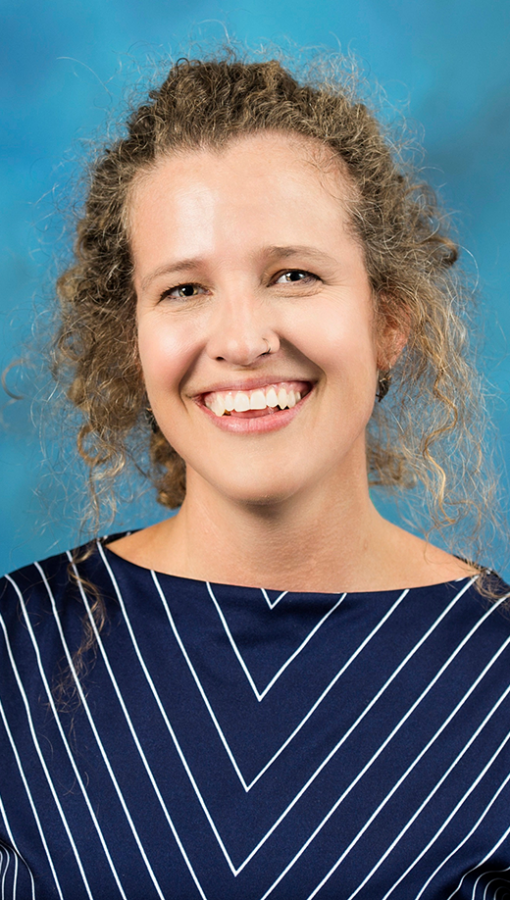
(184, 578)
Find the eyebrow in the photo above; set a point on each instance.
(297, 250)
(181, 265)
(270, 253)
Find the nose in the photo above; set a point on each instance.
(241, 333)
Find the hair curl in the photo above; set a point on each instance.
(428, 429)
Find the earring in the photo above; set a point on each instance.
(151, 420)
(383, 385)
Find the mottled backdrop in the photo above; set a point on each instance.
(64, 64)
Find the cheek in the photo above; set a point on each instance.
(163, 352)
(343, 343)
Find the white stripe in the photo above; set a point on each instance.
(135, 736)
(8, 853)
(31, 801)
(40, 753)
(95, 732)
(3, 868)
(416, 761)
(275, 602)
(15, 879)
(261, 694)
(432, 793)
(18, 854)
(387, 741)
(64, 738)
(317, 703)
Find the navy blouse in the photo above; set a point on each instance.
(236, 743)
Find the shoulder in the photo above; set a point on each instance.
(39, 580)
(51, 586)
(34, 584)
(60, 581)
(44, 606)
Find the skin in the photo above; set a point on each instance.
(236, 251)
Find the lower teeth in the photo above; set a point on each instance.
(268, 411)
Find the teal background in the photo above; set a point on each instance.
(64, 65)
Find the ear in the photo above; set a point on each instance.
(393, 328)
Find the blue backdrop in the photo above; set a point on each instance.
(64, 64)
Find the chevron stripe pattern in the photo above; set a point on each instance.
(232, 743)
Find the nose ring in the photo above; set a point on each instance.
(268, 351)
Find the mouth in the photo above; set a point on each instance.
(268, 400)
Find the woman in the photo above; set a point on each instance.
(278, 692)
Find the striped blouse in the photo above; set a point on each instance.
(233, 743)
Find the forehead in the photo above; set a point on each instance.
(270, 188)
(285, 158)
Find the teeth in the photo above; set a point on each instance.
(258, 400)
(241, 402)
(221, 402)
(271, 398)
(218, 406)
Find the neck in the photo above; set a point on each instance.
(320, 541)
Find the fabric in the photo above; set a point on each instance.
(236, 743)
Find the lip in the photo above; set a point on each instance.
(236, 424)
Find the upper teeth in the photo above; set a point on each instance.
(271, 396)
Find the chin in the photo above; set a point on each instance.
(263, 493)
(266, 501)
(261, 499)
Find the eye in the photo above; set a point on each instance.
(296, 275)
(183, 291)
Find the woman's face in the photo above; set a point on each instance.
(256, 320)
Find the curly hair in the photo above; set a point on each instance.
(427, 432)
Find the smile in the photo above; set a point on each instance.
(265, 400)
